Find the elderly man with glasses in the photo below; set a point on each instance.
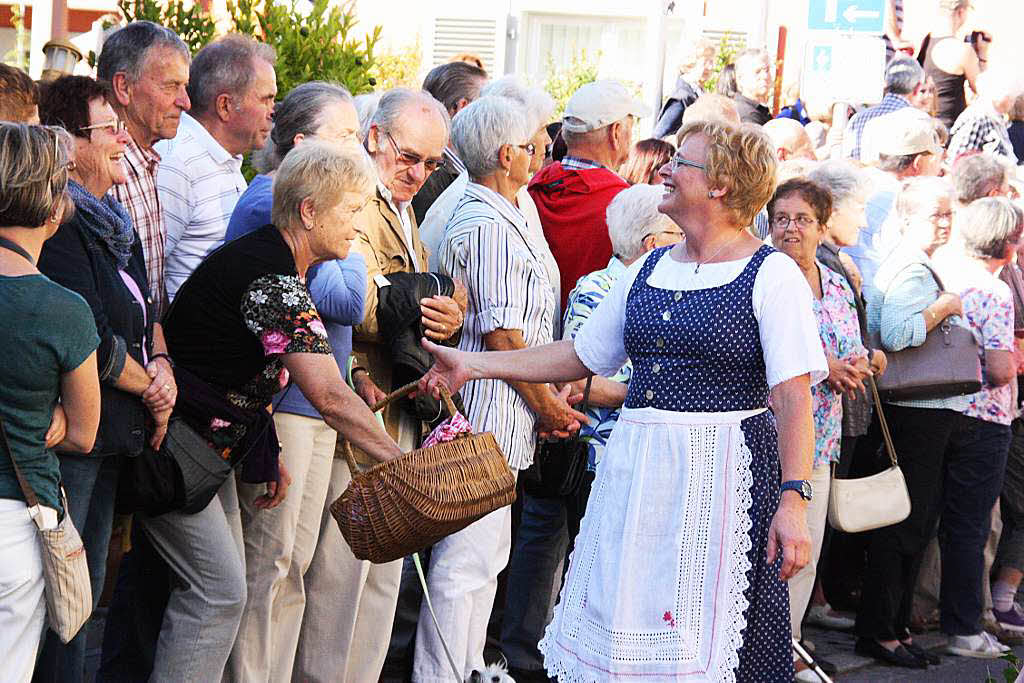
(346, 638)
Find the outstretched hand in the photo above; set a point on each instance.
(449, 370)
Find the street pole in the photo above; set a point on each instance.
(656, 35)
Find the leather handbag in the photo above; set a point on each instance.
(559, 466)
(946, 364)
(872, 502)
(68, 591)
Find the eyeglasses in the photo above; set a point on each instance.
(803, 221)
(114, 126)
(529, 148)
(409, 159)
(677, 233)
(676, 161)
(942, 217)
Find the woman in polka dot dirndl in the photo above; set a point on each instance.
(697, 515)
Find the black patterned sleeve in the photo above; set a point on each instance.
(280, 312)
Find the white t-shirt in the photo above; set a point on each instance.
(782, 307)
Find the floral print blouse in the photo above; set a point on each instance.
(836, 314)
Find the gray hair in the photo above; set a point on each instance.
(842, 179)
(918, 194)
(977, 175)
(482, 128)
(300, 112)
(989, 225)
(126, 49)
(320, 171)
(902, 75)
(33, 181)
(366, 107)
(751, 53)
(453, 82)
(224, 66)
(537, 104)
(631, 216)
(395, 102)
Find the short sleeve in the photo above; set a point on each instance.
(785, 314)
(600, 343)
(77, 328)
(499, 280)
(280, 312)
(997, 325)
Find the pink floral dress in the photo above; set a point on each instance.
(836, 314)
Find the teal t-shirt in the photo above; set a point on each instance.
(45, 331)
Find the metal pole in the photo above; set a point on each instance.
(656, 35)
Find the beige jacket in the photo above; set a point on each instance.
(381, 242)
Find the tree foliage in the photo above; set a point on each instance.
(193, 24)
(562, 81)
(728, 47)
(399, 68)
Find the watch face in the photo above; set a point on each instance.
(805, 490)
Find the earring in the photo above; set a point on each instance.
(508, 172)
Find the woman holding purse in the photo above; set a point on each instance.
(799, 214)
(51, 341)
(904, 305)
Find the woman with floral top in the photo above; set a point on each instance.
(976, 457)
(799, 213)
(239, 327)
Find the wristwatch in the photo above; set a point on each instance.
(801, 486)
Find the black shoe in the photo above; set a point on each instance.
(898, 657)
(826, 666)
(923, 654)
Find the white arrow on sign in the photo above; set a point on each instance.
(853, 14)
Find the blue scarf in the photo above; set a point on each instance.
(107, 220)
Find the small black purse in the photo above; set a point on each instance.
(559, 466)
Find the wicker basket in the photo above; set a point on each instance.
(396, 508)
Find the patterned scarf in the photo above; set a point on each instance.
(107, 220)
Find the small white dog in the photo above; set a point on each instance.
(492, 673)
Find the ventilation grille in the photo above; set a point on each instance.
(455, 36)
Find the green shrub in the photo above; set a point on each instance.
(193, 24)
(562, 81)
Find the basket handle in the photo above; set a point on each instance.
(408, 389)
(446, 396)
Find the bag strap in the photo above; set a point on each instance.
(586, 394)
(886, 436)
(26, 488)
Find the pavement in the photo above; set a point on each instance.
(837, 648)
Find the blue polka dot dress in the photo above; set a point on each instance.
(668, 581)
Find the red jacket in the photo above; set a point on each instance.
(572, 207)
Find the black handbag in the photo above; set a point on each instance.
(559, 466)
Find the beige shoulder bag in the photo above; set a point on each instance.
(65, 571)
(870, 502)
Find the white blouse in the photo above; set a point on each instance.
(782, 307)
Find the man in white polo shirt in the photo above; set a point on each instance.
(232, 86)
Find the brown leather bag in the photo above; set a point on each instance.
(946, 364)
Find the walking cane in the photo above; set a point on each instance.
(809, 661)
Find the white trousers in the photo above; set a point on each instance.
(279, 546)
(801, 586)
(462, 580)
(22, 607)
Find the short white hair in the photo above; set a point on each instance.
(842, 179)
(631, 216)
(538, 106)
(482, 127)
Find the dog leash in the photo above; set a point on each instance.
(430, 607)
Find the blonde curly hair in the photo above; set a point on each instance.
(741, 159)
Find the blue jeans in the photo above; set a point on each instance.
(972, 479)
(91, 486)
(534, 579)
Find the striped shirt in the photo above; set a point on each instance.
(199, 183)
(488, 247)
(139, 197)
(453, 161)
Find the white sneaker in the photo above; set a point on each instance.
(982, 645)
(825, 617)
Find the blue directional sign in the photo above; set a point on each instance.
(860, 16)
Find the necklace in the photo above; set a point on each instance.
(717, 252)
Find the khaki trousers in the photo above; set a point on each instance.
(351, 607)
(279, 546)
(801, 586)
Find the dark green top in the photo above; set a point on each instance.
(45, 331)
